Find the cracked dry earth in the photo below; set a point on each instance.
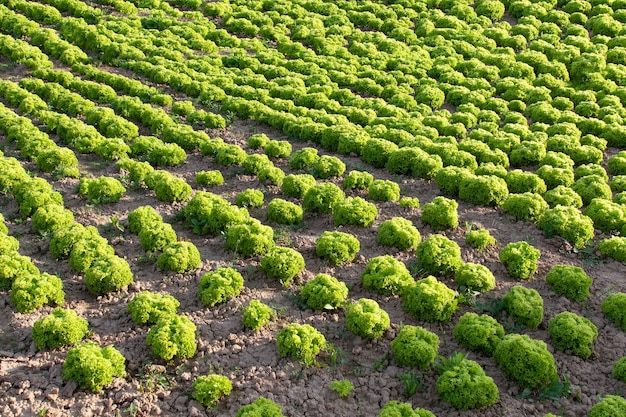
(31, 383)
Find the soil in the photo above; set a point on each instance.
(31, 379)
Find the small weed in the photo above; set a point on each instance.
(154, 378)
(42, 412)
(282, 237)
(289, 295)
(342, 387)
(382, 363)
(467, 296)
(357, 371)
(336, 356)
(115, 223)
(493, 306)
(553, 391)
(132, 409)
(413, 381)
(588, 255)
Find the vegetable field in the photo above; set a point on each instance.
(312, 208)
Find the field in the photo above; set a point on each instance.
(346, 116)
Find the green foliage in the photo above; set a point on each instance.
(137, 171)
(409, 202)
(258, 140)
(227, 155)
(209, 178)
(179, 257)
(93, 367)
(8, 244)
(272, 175)
(430, 300)
(172, 336)
(209, 389)
(614, 307)
(59, 328)
(251, 198)
(479, 238)
(255, 163)
(475, 277)
(284, 212)
(527, 361)
(321, 198)
(219, 286)
(592, 186)
(107, 274)
(156, 236)
(148, 307)
(449, 178)
(143, 217)
(50, 218)
(87, 249)
(283, 264)
(386, 275)
(564, 196)
(398, 232)
(304, 159)
(296, 185)
(486, 190)
(606, 215)
(520, 259)
(365, 318)
(569, 281)
(257, 315)
(167, 187)
(300, 341)
(438, 255)
(383, 190)
(527, 206)
(338, 247)
(101, 190)
(414, 346)
(343, 387)
(478, 333)
(619, 369)
(571, 332)
(32, 291)
(441, 213)
(327, 166)
(464, 384)
(609, 406)
(59, 161)
(354, 211)
(250, 238)
(357, 180)
(376, 152)
(208, 213)
(569, 223)
(519, 182)
(613, 247)
(277, 149)
(396, 409)
(324, 292)
(167, 154)
(261, 407)
(524, 306)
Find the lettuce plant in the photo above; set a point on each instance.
(409, 202)
(478, 333)
(250, 238)
(324, 292)
(441, 213)
(172, 336)
(386, 275)
(208, 213)
(261, 407)
(527, 206)
(296, 185)
(107, 274)
(399, 233)
(486, 190)
(520, 259)
(228, 155)
(283, 264)
(219, 286)
(61, 327)
(430, 300)
(619, 369)
(8, 244)
(614, 307)
(614, 247)
(156, 236)
(592, 186)
(354, 211)
(524, 306)
(148, 307)
(59, 161)
(258, 140)
(376, 152)
(564, 196)
(300, 341)
(414, 346)
(209, 178)
(609, 406)
(569, 223)
(257, 315)
(250, 198)
(574, 333)
(277, 149)
(30, 291)
(527, 361)
(321, 198)
(89, 248)
(606, 215)
(395, 408)
(438, 255)
(338, 247)
(101, 190)
(383, 190)
(327, 166)
(143, 217)
(479, 239)
(449, 178)
(475, 277)
(569, 281)
(167, 187)
(92, 366)
(367, 319)
(304, 159)
(284, 212)
(357, 180)
(272, 175)
(519, 182)
(209, 389)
